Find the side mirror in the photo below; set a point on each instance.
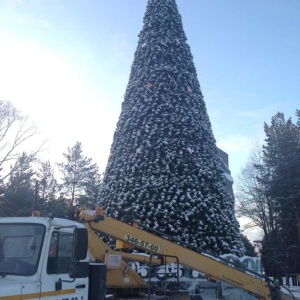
(79, 270)
(80, 246)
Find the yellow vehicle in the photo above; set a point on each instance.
(58, 259)
(166, 249)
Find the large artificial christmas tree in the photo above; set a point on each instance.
(164, 168)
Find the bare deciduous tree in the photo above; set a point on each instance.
(15, 130)
(252, 200)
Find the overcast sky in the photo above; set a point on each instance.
(66, 64)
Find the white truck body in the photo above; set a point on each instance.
(26, 255)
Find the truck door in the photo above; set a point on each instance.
(56, 283)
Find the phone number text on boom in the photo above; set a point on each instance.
(144, 244)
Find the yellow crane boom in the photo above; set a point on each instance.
(211, 266)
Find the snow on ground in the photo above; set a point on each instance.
(209, 294)
(295, 290)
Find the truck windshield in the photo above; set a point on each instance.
(20, 248)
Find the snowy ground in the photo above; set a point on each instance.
(295, 290)
(209, 294)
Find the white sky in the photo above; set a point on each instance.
(66, 64)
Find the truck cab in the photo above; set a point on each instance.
(42, 258)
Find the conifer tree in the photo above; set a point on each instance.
(19, 193)
(164, 168)
(48, 186)
(81, 178)
(282, 160)
(250, 249)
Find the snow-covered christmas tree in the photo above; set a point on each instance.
(164, 168)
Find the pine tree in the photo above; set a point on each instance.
(164, 167)
(81, 178)
(19, 193)
(250, 249)
(48, 186)
(282, 159)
